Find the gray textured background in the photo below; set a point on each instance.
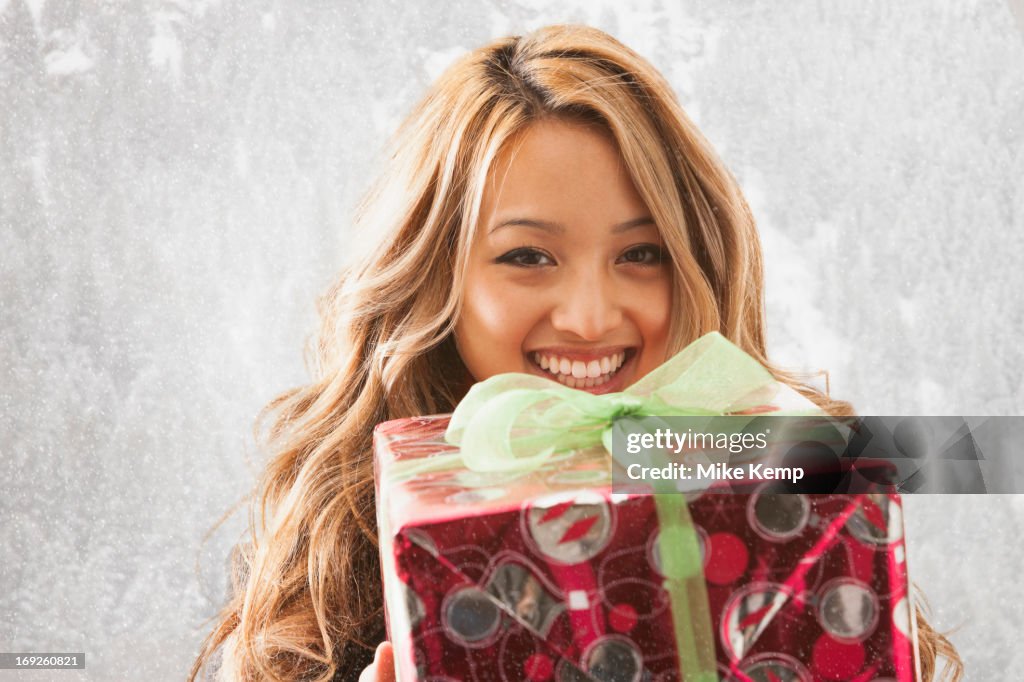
(175, 183)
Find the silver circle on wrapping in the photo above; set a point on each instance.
(470, 617)
(778, 517)
(569, 529)
(613, 659)
(848, 609)
(745, 615)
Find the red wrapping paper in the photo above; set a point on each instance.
(551, 576)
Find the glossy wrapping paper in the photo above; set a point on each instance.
(548, 575)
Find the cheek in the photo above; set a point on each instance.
(655, 320)
(494, 324)
(494, 313)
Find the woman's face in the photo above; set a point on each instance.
(566, 276)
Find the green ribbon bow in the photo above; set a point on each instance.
(517, 423)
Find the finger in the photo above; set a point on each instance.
(385, 662)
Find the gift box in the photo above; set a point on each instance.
(551, 576)
(545, 572)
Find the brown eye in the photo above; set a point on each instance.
(643, 254)
(525, 257)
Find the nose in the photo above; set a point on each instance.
(587, 305)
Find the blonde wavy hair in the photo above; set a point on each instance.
(307, 600)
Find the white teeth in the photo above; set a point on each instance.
(580, 374)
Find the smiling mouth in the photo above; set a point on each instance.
(584, 374)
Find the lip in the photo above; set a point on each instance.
(613, 385)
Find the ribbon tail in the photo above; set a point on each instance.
(679, 549)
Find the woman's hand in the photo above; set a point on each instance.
(383, 667)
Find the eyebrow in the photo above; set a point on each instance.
(556, 228)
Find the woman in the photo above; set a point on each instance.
(548, 208)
